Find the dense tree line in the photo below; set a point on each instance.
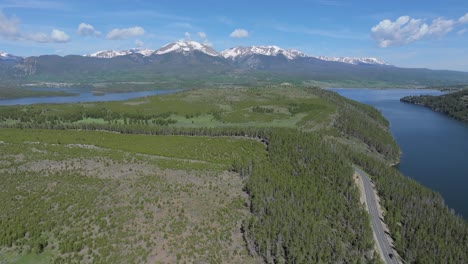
(452, 104)
(305, 204)
(48, 116)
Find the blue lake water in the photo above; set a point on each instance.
(434, 146)
(83, 96)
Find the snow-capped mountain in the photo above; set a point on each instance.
(107, 54)
(7, 56)
(233, 54)
(355, 61)
(239, 52)
(186, 47)
(242, 52)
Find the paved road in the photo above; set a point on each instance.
(381, 238)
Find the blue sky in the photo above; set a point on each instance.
(431, 34)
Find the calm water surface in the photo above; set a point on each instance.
(81, 97)
(434, 146)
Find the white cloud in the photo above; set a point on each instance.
(139, 43)
(239, 33)
(463, 31)
(202, 35)
(406, 30)
(59, 36)
(463, 19)
(54, 36)
(202, 38)
(123, 33)
(37, 37)
(440, 26)
(9, 27)
(87, 30)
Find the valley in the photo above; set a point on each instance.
(236, 174)
(161, 132)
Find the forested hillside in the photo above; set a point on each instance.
(453, 104)
(303, 204)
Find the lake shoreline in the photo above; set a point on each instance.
(432, 144)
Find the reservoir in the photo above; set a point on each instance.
(82, 96)
(434, 146)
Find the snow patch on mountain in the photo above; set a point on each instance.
(8, 56)
(107, 54)
(238, 52)
(354, 60)
(186, 47)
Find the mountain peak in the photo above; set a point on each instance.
(185, 47)
(271, 50)
(354, 60)
(107, 54)
(234, 54)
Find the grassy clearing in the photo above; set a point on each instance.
(275, 106)
(220, 150)
(105, 205)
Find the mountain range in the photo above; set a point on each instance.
(234, 54)
(195, 62)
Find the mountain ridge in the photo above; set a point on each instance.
(194, 63)
(233, 54)
(107, 54)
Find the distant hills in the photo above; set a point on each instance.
(193, 62)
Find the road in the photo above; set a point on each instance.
(383, 244)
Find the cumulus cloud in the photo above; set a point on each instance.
(463, 19)
(440, 26)
(59, 36)
(187, 36)
(87, 30)
(139, 43)
(56, 36)
(9, 29)
(239, 33)
(123, 33)
(406, 30)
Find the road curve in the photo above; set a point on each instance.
(383, 244)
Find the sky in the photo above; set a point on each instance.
(423, 34)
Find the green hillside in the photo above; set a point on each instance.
(241, 175)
